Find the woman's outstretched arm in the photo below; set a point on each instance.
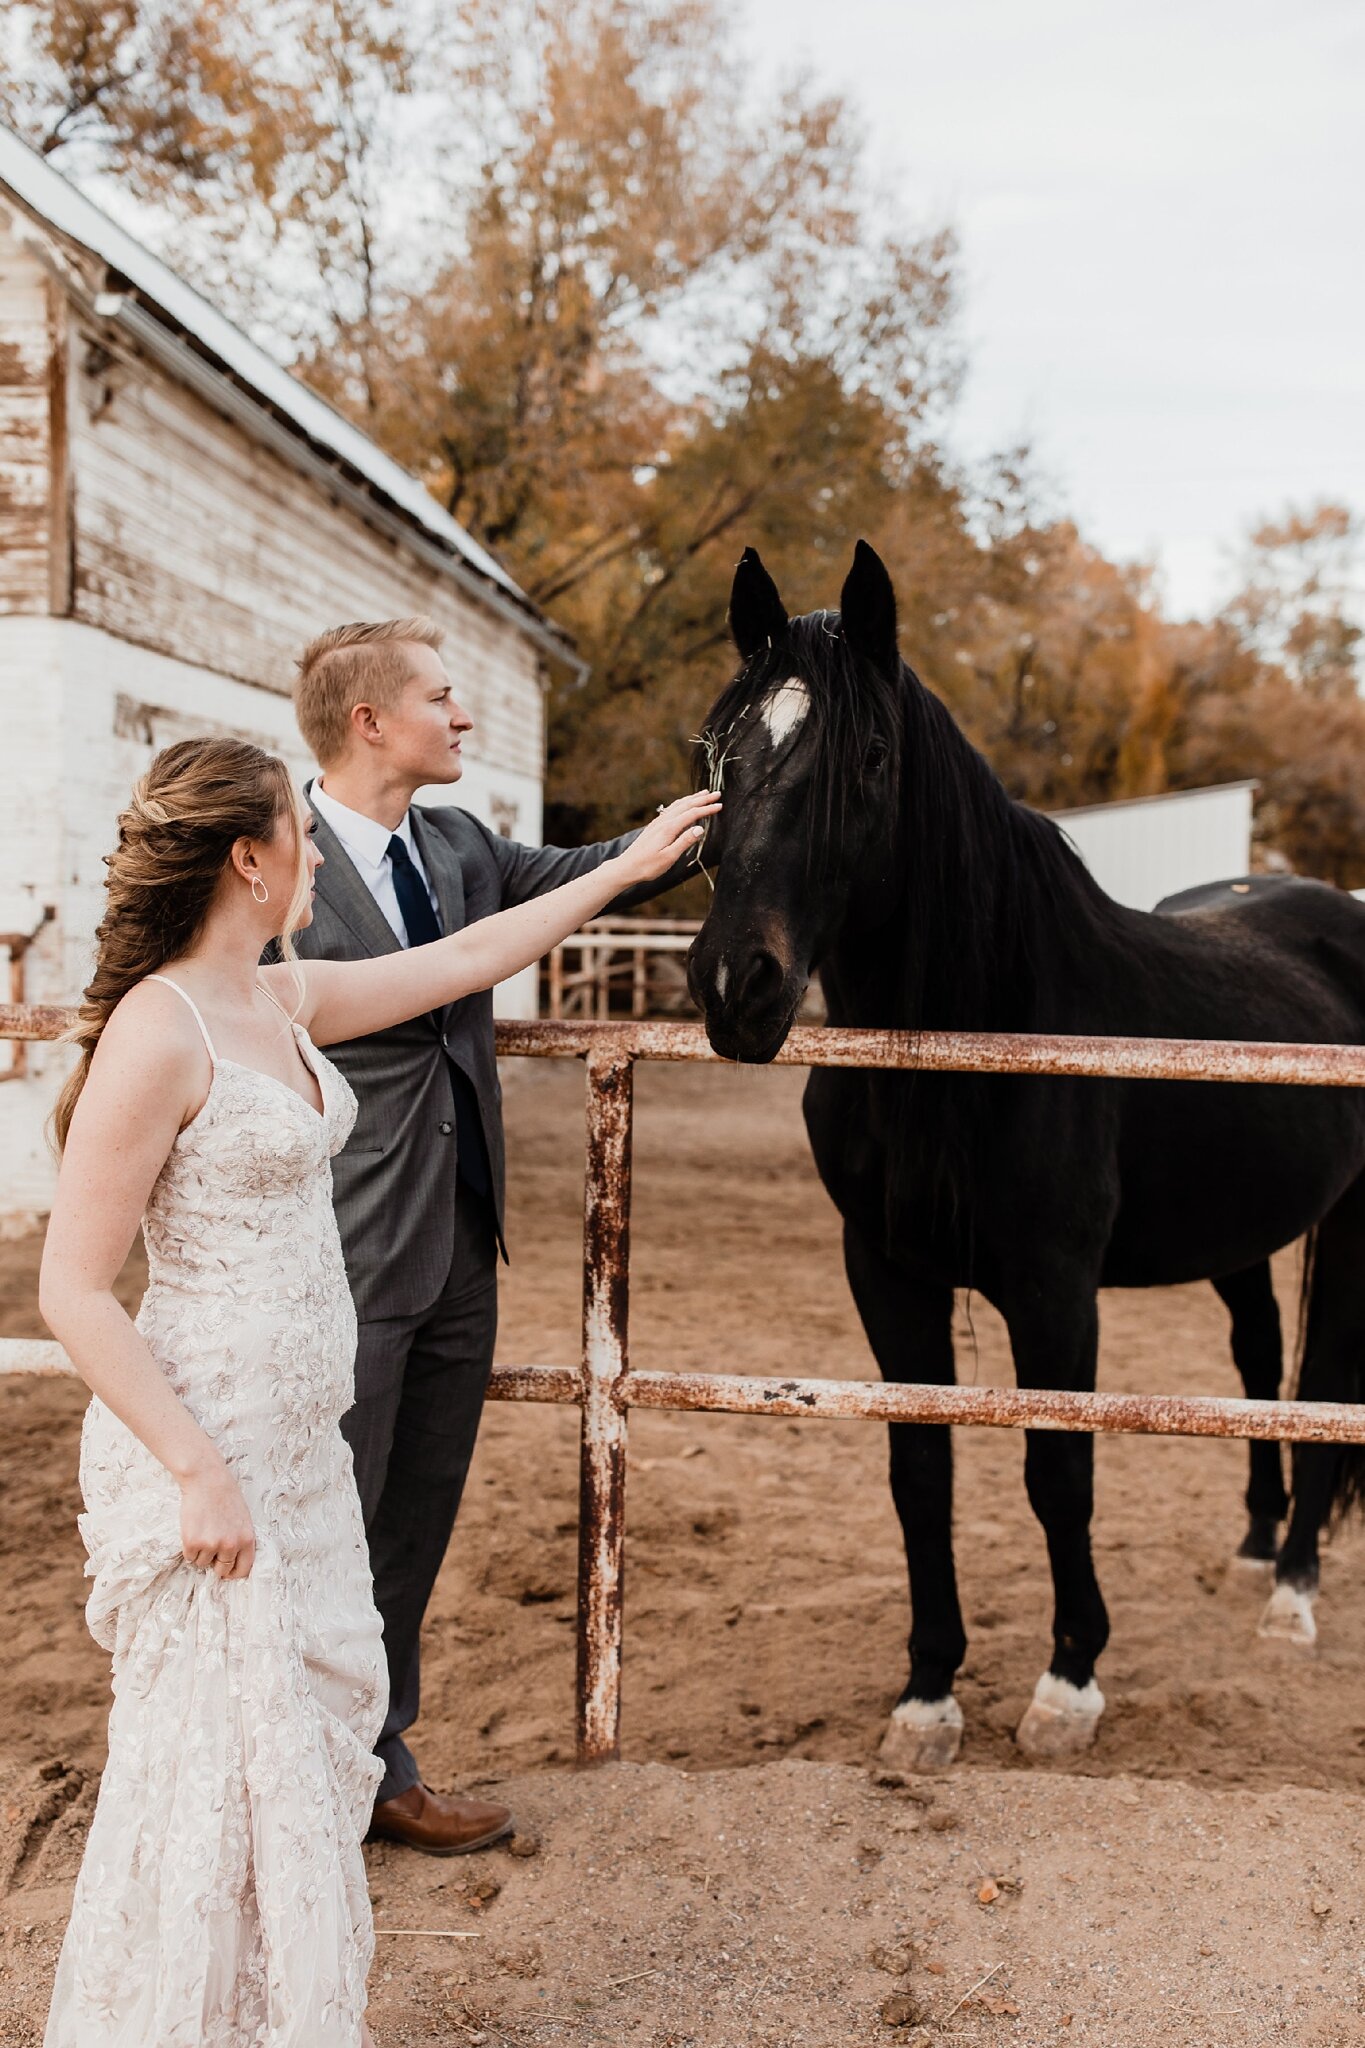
(344, 999)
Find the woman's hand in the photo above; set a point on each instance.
(350, 998)
(215, 1523)
(665, 839)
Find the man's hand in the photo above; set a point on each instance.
(665, 839)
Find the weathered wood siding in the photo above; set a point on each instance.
(159, 572)
(26, 355)
(192, 540)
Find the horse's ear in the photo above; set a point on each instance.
(757, 614)
(867, 610)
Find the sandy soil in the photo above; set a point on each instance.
(677, 1901)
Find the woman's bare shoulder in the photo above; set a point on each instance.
(152, 1027)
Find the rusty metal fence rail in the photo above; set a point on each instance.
(605, 1388)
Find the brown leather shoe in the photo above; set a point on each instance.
(440, 1823)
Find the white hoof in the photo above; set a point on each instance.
(1251, 1567)
(1061, 1718)
(1288, 1616)
(923, 1735)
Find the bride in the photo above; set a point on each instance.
(222, 1900)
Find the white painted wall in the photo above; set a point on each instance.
(81, 714)
(160, 567)
(1144, 850)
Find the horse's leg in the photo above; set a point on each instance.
(1325, 1476)
(909, 1324)
(1258, 1354)
(1054, 1334)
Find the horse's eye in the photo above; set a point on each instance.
(876, 757)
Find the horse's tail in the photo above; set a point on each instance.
(1310, 1253)
(1331, 1332)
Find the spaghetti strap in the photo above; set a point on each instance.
(276, 1001)
(185, 997)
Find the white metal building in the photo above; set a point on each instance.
(178, 517)
(1151, 846)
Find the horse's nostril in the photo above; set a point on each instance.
(760, 979)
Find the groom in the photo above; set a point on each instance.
(419, 1187)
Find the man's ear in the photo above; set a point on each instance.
(867, 610)
(757, 614)
(363, 720)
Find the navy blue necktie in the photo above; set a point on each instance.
(421, 925)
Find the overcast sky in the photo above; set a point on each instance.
(1162, 217)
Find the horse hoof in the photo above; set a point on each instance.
(1288, 1616)
(923, 1735)
(1062, 1719)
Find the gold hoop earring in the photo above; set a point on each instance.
(259, 890)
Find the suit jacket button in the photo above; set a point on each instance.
(446, 1130)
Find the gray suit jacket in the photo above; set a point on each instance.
(394, 1183)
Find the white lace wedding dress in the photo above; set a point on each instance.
(222, 1901)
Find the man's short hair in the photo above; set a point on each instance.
(350, 665)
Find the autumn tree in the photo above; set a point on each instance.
(1300, 576)
(1289, 709)
(267, 134)
(625, 311)
(668, 328)
(169, 95)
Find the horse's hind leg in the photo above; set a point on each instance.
(909, 1324)
(1326, 1477)
(1258, 1354)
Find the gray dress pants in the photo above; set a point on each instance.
(419, 1384)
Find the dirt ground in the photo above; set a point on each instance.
(683, 1903)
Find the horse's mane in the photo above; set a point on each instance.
(992, 898)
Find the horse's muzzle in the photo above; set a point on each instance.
(747, 997)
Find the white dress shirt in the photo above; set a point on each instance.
(367, 844)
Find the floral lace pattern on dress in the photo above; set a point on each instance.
(222, 1902)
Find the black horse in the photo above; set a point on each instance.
(863, 836)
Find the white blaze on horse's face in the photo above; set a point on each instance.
(784, 710)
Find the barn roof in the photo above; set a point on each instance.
(179, 311)
(1162, 796)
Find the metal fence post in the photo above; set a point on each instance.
(602, 1460)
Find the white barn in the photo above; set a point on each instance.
(178, 516)
(1148, 847)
